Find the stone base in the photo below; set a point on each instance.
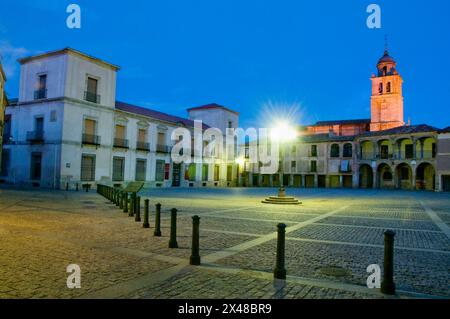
(281, 200)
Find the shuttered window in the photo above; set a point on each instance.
(92, 85)
(141, 169)
(120, 132)
(88, 167)
(142, 135)
(118, 168)
(89, 126)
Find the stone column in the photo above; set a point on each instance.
(341, 181)
(316, 180)
(303, 181)
(375, 150)
(355, 179)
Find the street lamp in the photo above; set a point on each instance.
(282, 133)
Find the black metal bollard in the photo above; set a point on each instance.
(157, 231)
(125, 202)
(173, 229)
(146, 207)
(280, 271)
(118, 198)
(137, 214)
(76, 187)
(195, 254)
(387, 284)
(67, 186)
(132, 204)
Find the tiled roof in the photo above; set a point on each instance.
(155, 114)
(342, 122)
(445, 130)
(212, 106)
(421, 128)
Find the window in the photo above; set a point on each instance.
(334, 150)
(118, 168)
(191, 172)
(53, 116)
(204, 172)
(409, 150)
(404, 173)
(313, 150)
(380, 88)
(293, 166)
(230, 124)
(216, 172)
(142, 135)
(348, 150)
(141, 169)
(160, 165)
(36, 161)
(5, 163)
(91, 91)
(41, 92)
(388, 88)
(88, 167)
(39, 124)
(313, 166)
(119, 140)
(345, 166)
(90, 127)
(7, 129)
(229, 173)
(384, 150)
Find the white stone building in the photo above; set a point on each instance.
(67, 129)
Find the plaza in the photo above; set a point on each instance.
(330, 240)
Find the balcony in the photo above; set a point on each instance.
(90, 139)
(91, 97)
(40, 94)
(162, 148)
(120, 142)
(35, 136)
(143, 146)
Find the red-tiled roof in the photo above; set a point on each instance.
(421, 128)
(342, 122)
(155, 114)
(212, 106)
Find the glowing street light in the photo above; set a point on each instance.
(283, 132)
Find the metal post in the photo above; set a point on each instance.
(138, 209)
(146, 207)
(125, 202)
(388, 285)
(76, 187)
(67, 186)
(157, 232)
(173, 228)
(132, 204)
(121, 200)
(195, 254)
(117, 198)
(280, 271)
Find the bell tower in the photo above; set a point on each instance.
(386, 103)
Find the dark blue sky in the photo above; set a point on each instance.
(313, 59)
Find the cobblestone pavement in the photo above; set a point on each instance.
(330, 241)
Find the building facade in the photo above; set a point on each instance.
(66, 129)
(3, 103)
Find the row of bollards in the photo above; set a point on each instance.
(76, 187)
(387, 284)
(132, 205)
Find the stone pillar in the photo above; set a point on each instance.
(376, 154)
(375, 178)
(438, 184)
(422, 142)
(414, 141)
(355, 179)
(316, 181)
(303, 181)
(270, 180)
(327, 181)
(341, 181)
(260, 179)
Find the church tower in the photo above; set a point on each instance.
(387, 99)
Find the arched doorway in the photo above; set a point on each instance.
(425, 176)
(403, 174)
(385, 176)
(365, 176)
